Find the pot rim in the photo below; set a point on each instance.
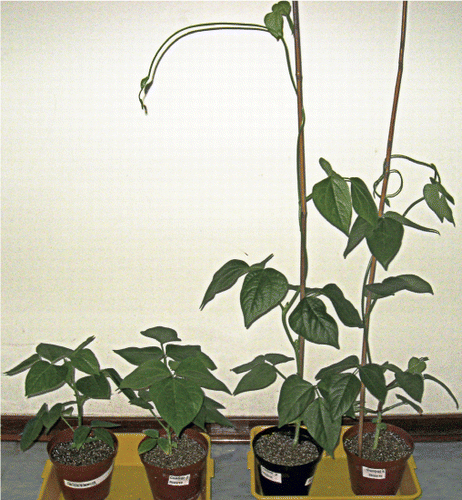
(191, 433)
(370, 427)
(65, 436)
(284, 429)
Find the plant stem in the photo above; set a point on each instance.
(386, 174)
(301, 177)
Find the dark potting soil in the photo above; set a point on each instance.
(89, 454)
(188, 452)
(278, 449)
(391, 446)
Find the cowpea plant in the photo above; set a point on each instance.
(53, 367)
(265, 288)
(169, 381)
(320, 406)
(337, 198)
(304, 309)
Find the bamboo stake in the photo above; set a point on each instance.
(301, 177)
(386, 175)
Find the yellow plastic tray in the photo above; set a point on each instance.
(129, 481)
(332, 479)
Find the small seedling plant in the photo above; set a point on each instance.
(169, 381)
(54, 367)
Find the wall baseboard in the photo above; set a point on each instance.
(433, 427)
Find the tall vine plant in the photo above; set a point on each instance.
(322, 404)
(273, 25)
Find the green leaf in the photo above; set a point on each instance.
(80, 436)
(437, 200)
(209, 414)
(323, 428)
(259, 377)
(332, 198)
(295, 396)
(346, 364)
(310, 320)
(85, 361)
(444, 386)
(52, 352)
(417, 365)
(262, 290)
(346, 312)
(282, 8)
(372, 376)
(153, 433)
(181, 352)
(33, 429)
(193, 369)
(24, 365)
(224, 279)
(385, 240)
(360, 230)
(145, 375)
(103, 435)
(147, 445)
(50, 418)
(417, 408)
(138, 355)
(363, 203)
(341, 392)
(326, 166)
(274, 23)
(44, 377)
(162, 334)
(177, 401)
(164, 445)
(84, 344)
(259, 360)
(393, 284)
(94, 386)
(406, 222)
(277, 359)
(412, 383)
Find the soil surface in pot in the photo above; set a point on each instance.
(278, 449)
(390, 447)
(186, 453)
(89, 454)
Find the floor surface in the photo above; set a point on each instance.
(439, 470)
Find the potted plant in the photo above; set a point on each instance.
(321, 404)
(169, 381)
(377, 453)
(265, 289)
(82, 455)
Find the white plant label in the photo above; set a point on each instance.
(179, 480)
(276, 477)
(374, 473)
(77, 485)
(309, 481)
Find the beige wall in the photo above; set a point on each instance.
(114, 221)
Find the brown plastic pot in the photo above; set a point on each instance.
(370, 477)
(181, 483)
(82, 482)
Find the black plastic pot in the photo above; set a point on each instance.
(283, 480)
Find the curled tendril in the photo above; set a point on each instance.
(380, 179)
